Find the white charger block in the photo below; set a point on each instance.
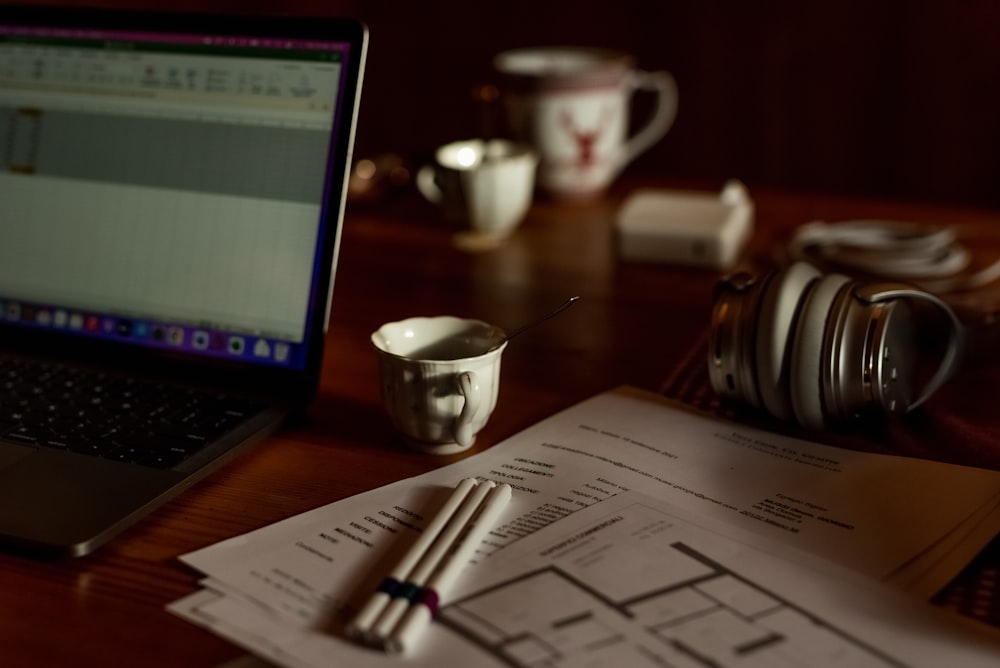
(686, 227)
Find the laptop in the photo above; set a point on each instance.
(171, 197)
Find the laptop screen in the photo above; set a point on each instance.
(173, 190)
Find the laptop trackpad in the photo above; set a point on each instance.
(10, 453)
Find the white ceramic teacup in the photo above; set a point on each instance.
(574, 106)
(440, 379)
(486, 186)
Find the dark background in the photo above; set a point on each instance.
(891, 98)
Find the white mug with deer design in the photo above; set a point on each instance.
(574, 105)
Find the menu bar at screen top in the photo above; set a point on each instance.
(236, 76)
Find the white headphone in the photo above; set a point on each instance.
(822, 349)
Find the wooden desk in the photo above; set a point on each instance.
(634, 324)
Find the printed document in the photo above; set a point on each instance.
(291, 586)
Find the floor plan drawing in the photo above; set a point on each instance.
(608, 602)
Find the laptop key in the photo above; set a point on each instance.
(55, 442)
(161, 460)
(22, 434)
(93, 448)
(128, 453)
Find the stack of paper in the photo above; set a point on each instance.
(642, 533)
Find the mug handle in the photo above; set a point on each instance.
(468, 386)
(664, 112)
(427, 185)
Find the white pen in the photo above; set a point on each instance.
(420, 613)
(426, 566)
(362, 623)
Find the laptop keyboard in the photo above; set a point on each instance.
(102, 415)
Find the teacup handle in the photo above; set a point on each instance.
(427, 185)
(468, 386)
(664, 112)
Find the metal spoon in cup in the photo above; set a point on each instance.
(551, 314)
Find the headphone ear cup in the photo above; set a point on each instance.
(894, 355)
(779, 309)
(810, 351)
(731, 334)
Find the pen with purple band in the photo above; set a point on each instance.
(420, 612)
(396, 583)
(426, 565)
(438, 549)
